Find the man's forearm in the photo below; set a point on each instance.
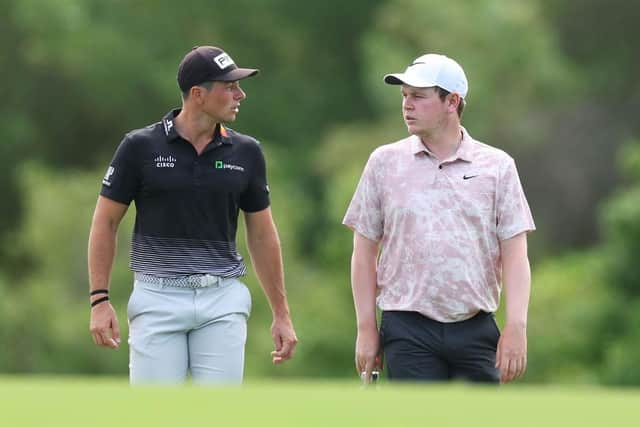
(516, 274)
(517, 287)
(364, 281)
(102, 249)
(267, 261)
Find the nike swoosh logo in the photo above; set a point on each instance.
(469, 176)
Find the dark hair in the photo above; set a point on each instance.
(207, 85)
(443, 94)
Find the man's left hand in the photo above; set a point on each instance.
(511, 357)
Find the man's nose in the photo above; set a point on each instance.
(240, 95)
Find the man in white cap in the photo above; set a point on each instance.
(440, 225)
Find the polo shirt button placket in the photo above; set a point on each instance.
(438, 176)
(196, 172)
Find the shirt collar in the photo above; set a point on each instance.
(417, 146)
(220, 132)
(464, 152)
(168, 124)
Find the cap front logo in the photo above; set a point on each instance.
(223, 60)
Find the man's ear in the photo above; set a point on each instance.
(197, 93)
(454, 101)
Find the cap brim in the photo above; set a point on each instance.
(393, 79)
(403, 79)
(237, 74)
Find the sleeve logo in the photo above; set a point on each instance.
(107, 176)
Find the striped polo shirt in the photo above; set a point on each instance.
(439, 224)
(187, 204)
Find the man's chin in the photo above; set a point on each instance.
(412, 130)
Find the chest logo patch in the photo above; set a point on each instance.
(165, 161)
(219, 164)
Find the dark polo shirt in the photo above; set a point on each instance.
(187, 204)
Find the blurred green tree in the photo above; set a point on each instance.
(584, 322)
(621, 223)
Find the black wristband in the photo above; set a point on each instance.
(99, 300)
(99, 291)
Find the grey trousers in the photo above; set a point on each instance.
(177, 331)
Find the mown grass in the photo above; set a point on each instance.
(35, 401)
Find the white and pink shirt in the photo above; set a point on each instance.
(440, 224)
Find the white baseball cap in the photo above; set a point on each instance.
(433, 70)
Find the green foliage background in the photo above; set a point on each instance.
(552, 82)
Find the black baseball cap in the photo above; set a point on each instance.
(209, 63)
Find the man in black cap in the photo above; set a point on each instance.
(189, 176)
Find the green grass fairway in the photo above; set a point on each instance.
(26, 401)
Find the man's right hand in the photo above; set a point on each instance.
(368, 353)
(284, 339)
(104, 326)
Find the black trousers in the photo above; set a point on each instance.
(417, 348)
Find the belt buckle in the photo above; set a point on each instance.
(210, 280)
(204, 280)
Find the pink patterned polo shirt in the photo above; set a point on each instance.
(439, 224)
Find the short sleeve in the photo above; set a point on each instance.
(122, 178)
(513, 213)
(364, 213)
(256, 197)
